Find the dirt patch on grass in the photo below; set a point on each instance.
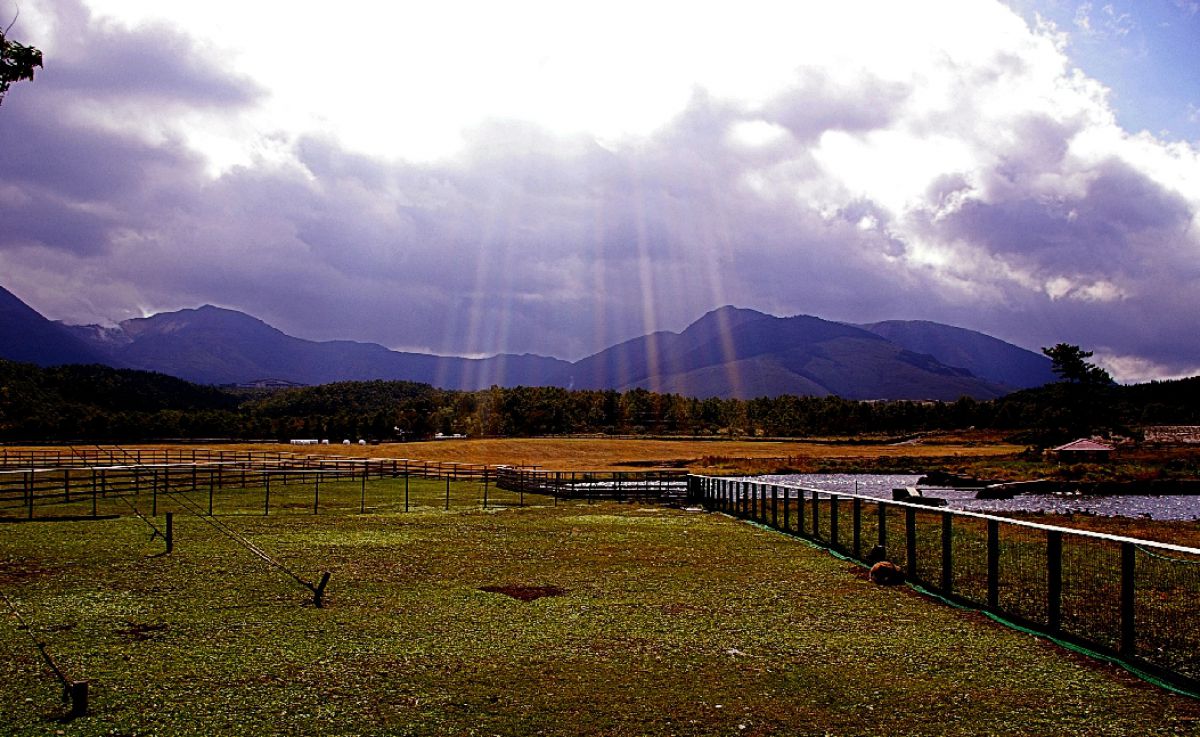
(139, 632)
(16, 570)
(524, 593)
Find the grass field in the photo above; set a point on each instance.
(660, 622)
(609, 454)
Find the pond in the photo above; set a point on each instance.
(1166, 507)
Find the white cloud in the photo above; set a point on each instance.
(477, 177)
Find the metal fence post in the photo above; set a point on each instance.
(947, 553)
(816, 514)
(787, 494)
(993, 564)
(856, 523)
(1128, 600)
(775, 506)
(881, 514)
(910, 541)
(1054, 580)
(833, 520)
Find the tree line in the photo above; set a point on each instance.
(98, 403)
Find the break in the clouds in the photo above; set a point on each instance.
(527, 177)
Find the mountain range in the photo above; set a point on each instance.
(729, 352)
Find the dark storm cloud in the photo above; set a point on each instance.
(559, 244)
(106, 63)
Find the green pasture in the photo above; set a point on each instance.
(657, 622)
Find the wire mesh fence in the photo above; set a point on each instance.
(1131, 599)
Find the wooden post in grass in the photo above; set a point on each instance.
(316, 490)
(266, 493)
(485, 487)
(406, 486)
(362, 499)
(77, 692)
(319, 590)
(447, 493)
(154, 494)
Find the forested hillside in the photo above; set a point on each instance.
(100, 403)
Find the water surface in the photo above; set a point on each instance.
(1166, 507)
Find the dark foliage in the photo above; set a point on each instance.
(96, 402)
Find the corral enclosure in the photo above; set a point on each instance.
(581, 618)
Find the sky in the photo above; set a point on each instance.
(476, 177)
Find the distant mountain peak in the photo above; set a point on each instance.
(728, 352)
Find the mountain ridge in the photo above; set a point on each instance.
(729, 352)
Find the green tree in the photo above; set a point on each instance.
(17, 61)
(1071, 364)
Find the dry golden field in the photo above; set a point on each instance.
(601, 454)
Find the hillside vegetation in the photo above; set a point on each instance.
(100, 403)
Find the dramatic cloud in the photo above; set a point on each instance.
(953, 168)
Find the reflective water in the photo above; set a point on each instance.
(1171, 507)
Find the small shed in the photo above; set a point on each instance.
(1083, 450)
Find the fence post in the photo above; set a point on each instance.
(154, 494)
(993, 564)
(1128, 600)
(316, 490)
(28, 477)
(447, 493)
(66, 484)
(800, 511)
(406, 486)
(856, 523)
(78, 693)
(362, 499)
(266, 493)
(1054, 580)
(211, 483)
(910, 541)
(947, 553)
(787, 495)
(881, 515)
(93, 492)
(816, 514)
(775, 506)
(485, 487)
(833, 520)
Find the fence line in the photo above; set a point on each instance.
(1134, 600)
